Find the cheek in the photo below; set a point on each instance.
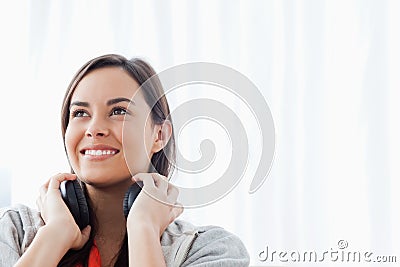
(133, 144)
(149, 138)
(136, 149)
(71, 142)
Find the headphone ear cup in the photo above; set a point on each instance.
(74, 197)
(82, 204)
(130, 197)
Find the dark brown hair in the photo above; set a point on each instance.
(161, 162)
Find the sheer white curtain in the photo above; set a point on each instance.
(329, 71)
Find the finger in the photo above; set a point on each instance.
(146, 178)
(159, 177)
(39, 204)
(41, 197)
(176, 212)
(42, 191)
(85, 234)
(56, 180)
(46, 184)
(160, 181)
(172, 194)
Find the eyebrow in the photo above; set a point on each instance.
(118, 100)
(109, 102)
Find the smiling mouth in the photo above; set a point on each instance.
(98, 152)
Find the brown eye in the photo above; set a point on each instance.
(119, 111)
(79, 113)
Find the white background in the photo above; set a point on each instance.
(329, 70)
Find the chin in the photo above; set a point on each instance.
(106, 184)
(106, 181)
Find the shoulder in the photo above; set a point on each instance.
(19, 224)
(21, 215)
(205, 245)
(18, 209)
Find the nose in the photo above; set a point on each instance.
(97, 129)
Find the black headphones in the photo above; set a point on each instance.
(74, 197)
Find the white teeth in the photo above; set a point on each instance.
(99, 152)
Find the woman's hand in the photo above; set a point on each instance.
(156, 205)
(57, 216)
(153, 210)
(60, 232)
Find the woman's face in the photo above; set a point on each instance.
(100, 107)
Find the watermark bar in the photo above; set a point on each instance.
(339, 254)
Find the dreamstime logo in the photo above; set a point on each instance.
(215, 110)
(341, 254)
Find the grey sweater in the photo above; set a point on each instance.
(182, 243)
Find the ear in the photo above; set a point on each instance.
(162, 134)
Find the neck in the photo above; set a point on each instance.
(107, 203)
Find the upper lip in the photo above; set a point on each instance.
(98, 147)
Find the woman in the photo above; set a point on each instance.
(98, 109)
